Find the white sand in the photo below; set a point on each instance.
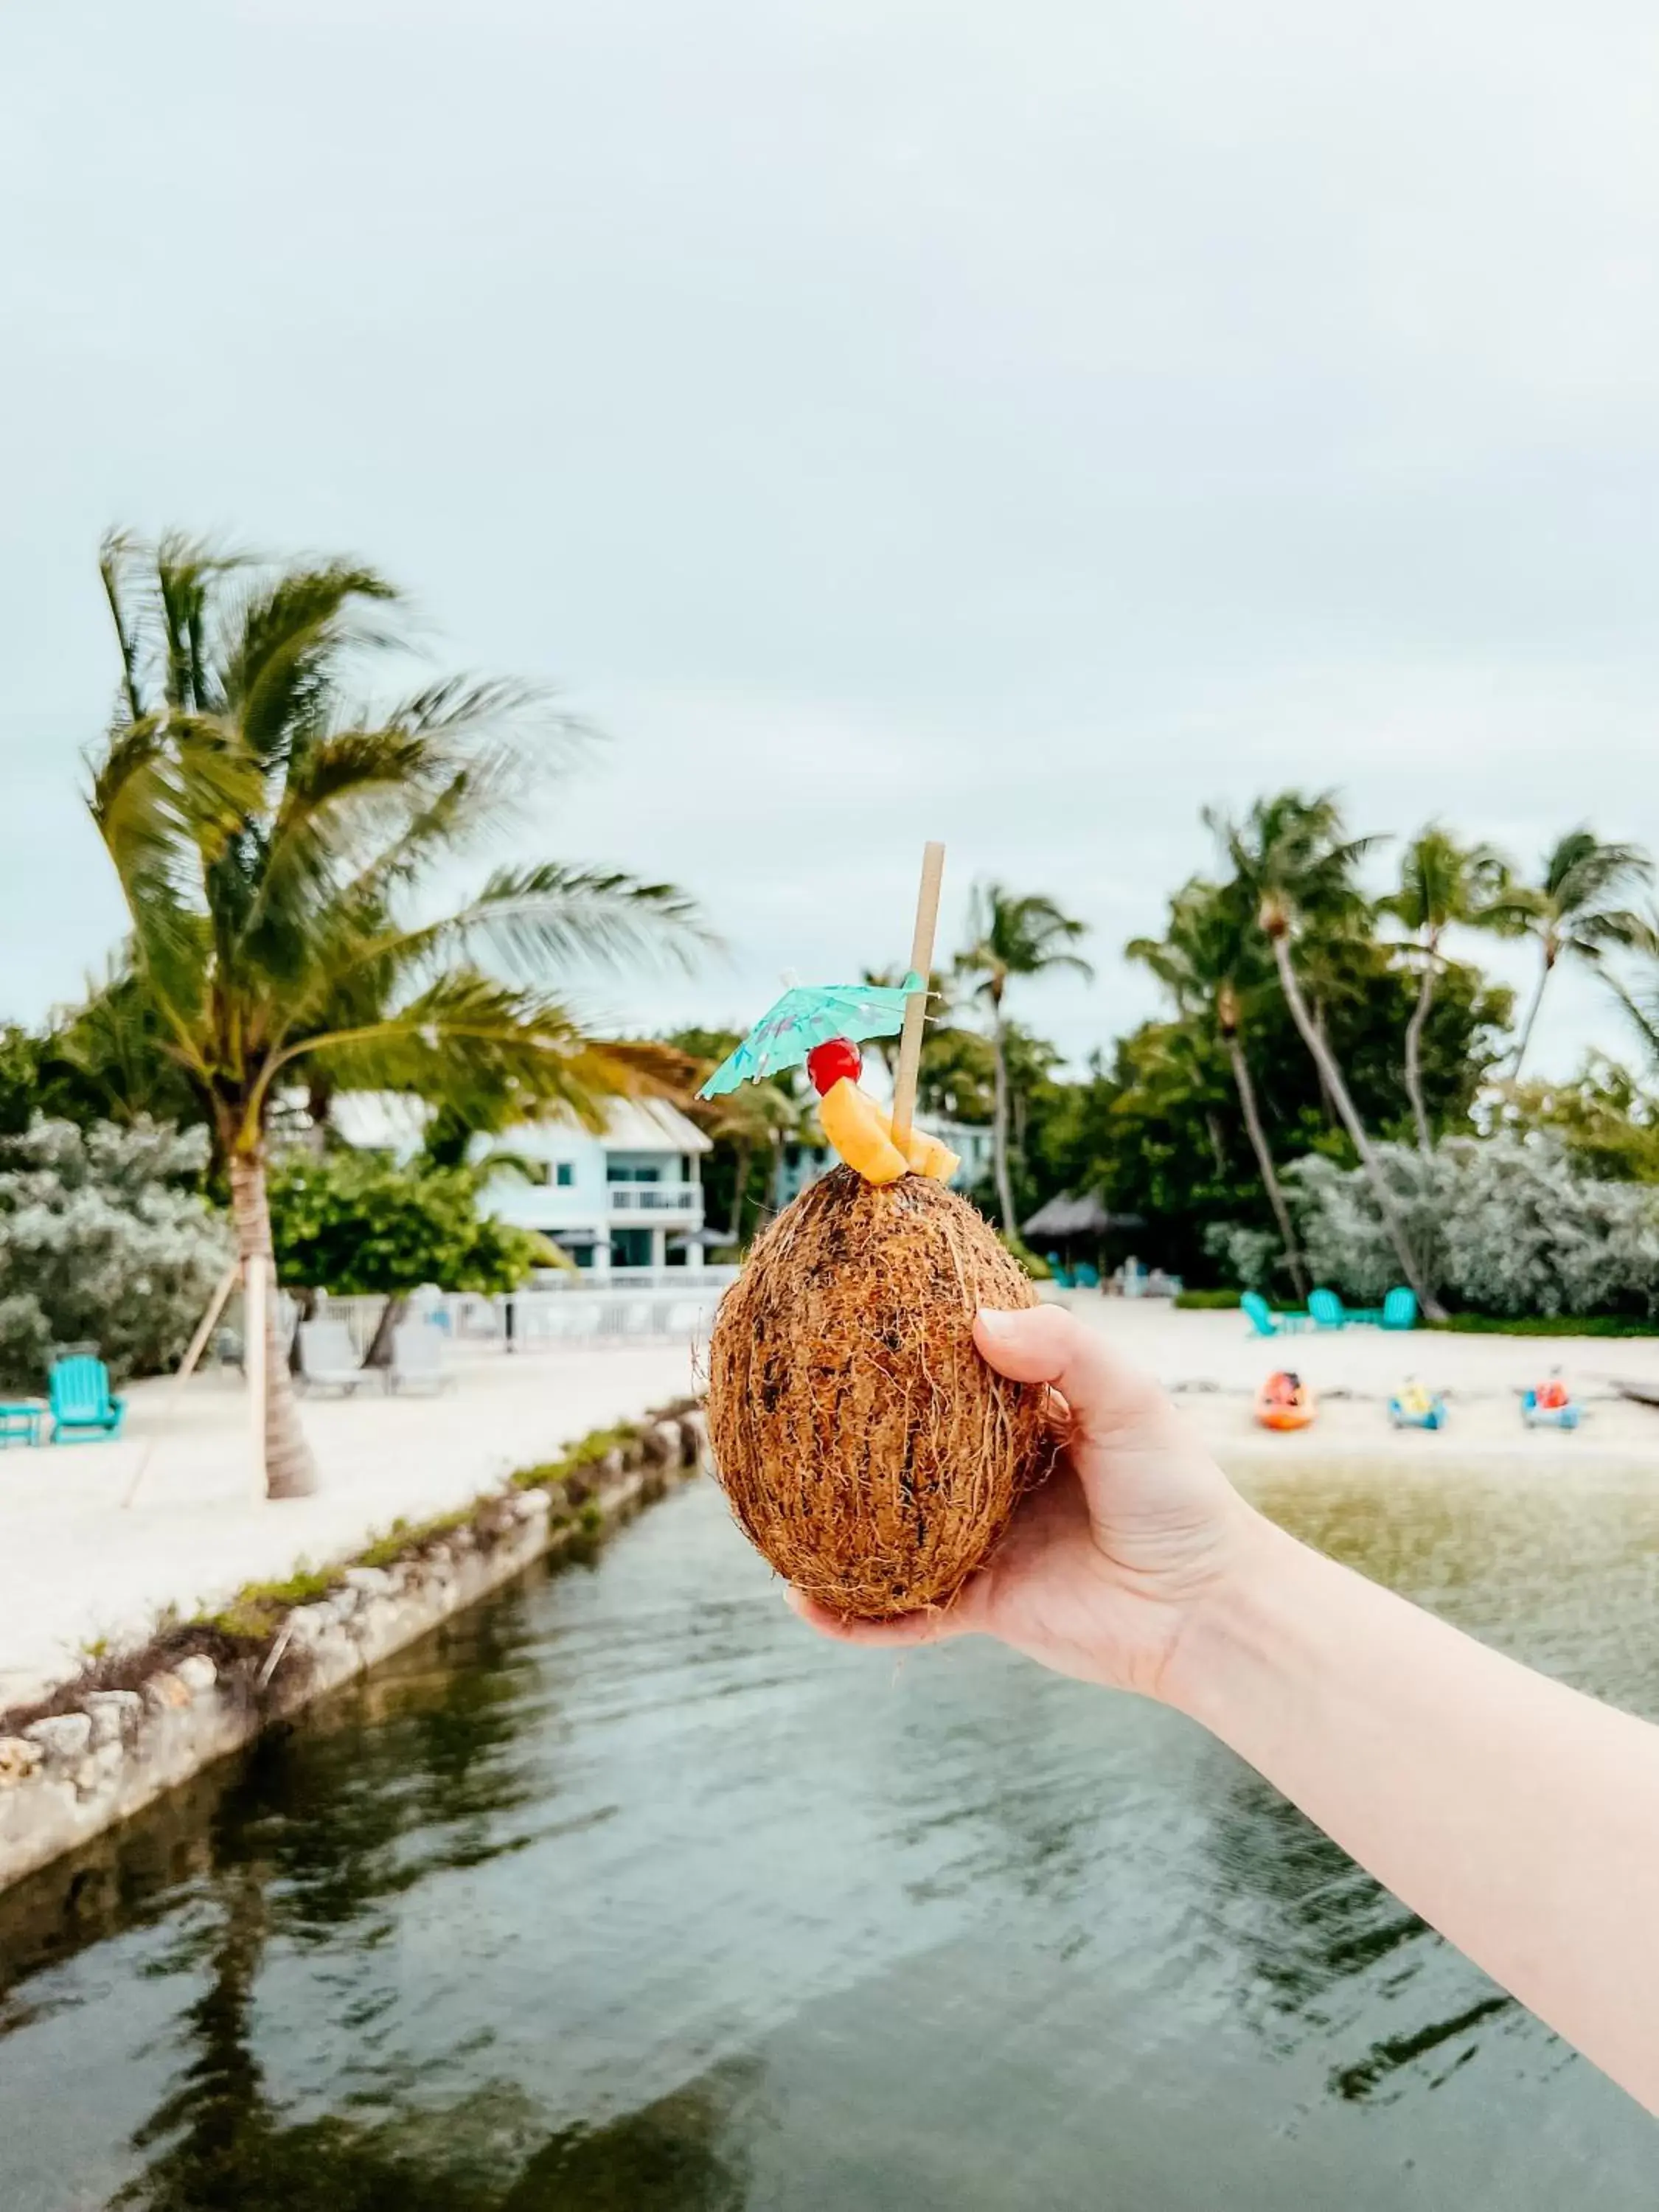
(75, 1567)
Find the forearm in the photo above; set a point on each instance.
(1517, 1817)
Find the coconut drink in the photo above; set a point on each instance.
(867, 1450)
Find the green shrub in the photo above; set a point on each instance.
(1208, 1300)
(1543, 1325)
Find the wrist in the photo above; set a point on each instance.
(1234, 1626)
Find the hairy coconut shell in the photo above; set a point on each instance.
(865, 1447)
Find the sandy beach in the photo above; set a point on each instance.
(1213, 1364)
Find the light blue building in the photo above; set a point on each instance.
(630, 1198)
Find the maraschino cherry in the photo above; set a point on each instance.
(826, 1063)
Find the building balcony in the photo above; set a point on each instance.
(682, 1201)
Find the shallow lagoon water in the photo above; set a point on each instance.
(624, 1892)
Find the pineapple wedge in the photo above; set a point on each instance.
(860, 1132)
(863, 1135)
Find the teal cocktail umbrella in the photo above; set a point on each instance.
(807, 1017)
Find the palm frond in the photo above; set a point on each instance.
(479, 1048)
(287, 646)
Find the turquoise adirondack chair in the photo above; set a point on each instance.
(80, 1400)
(1328, 1309)
(1058, 1274)
(1265, 1321)
(1399, 1309)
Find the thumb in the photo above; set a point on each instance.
(1105, 1394)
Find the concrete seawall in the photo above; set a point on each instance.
(64, 1778)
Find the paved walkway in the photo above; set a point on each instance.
(75, 1567)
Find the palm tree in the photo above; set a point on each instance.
(273, 840)
(756, 1117)
(1206, 962)
(1442, 883)
(1291, 857)
(1575, 909)
(1009, 936)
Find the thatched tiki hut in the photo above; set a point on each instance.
(1077, 1230)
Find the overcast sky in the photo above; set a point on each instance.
(1019, 425)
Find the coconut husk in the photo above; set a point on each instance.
(866, 1449)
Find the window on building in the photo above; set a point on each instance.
(564, 1174)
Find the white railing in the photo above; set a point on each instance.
(604, 1316)
(587, 1282)
(631, 1303)
(654, 1197)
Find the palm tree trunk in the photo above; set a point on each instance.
(290, 1470)
(1327, 1095)
(1325, 1060)
(1264, 1160)
(1532, 1015)
(740, 1191)
(1218, 1146)
(999, 1131)
(1414, 1056)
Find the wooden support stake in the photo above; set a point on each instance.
(915, 1007)
(198, 1344)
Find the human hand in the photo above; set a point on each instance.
(1108, 1564)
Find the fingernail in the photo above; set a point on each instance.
(995, 1322)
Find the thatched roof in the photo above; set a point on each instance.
(1067, 1216)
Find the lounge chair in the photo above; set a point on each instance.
(1058, 1274)
(327, 1358)
(417, 1357)
(1088, 1277)
(1264, 1322)
(1399, 1309)
(1326, 1309)
(80, 1400)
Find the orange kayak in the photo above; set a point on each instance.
(1284, 1401)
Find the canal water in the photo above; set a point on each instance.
(626, 1893)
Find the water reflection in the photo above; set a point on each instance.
(622, 1893)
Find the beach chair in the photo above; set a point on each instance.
(1088, 1277)
(1264, 1322)
(1059, 1275)
(1326, 1309)
(80, 1400)
(327, 1359)
(417, 1357)
(1399, 1308)
(1260, 1313)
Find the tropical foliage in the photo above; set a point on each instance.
(279, 844)
(1577, 910)
(1506, 1226)
(1011, 936)
(105, 1239)
(357, 1224)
